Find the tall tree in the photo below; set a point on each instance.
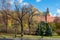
(5, 7)
(30, 16)
(20, 13)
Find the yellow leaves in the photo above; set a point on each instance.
(9, 22)
(25, 26)
(58, 25)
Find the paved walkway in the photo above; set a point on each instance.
(32, 39)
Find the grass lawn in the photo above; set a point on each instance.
(30, 36)
(25, 36)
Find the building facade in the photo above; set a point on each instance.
(47, 17)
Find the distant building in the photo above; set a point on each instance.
(47, 17)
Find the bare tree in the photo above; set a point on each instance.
(4, 12)
(30, 18)
(20, 13)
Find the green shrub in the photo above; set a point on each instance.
(44, 29)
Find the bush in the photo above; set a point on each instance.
(41, 29)
(48, 31)
(58, 31)
(44, 29)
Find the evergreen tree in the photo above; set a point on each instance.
(41, 29)
(48, 31)
(44, 29)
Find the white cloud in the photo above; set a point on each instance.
(53, 15)
(10, 2)
(38, 0)
(20, 1)
(58, 12)
(25, 3)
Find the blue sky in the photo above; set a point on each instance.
(53, 5)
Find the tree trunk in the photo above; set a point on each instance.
(29, 27)
(6, 23)
(6, 28)
(21, 28)
(29, 30)
(15, 32)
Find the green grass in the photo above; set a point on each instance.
(55, 36)
(30, 36)
(25, 36)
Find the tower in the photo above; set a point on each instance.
(47, 14)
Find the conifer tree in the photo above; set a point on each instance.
(48, 31)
